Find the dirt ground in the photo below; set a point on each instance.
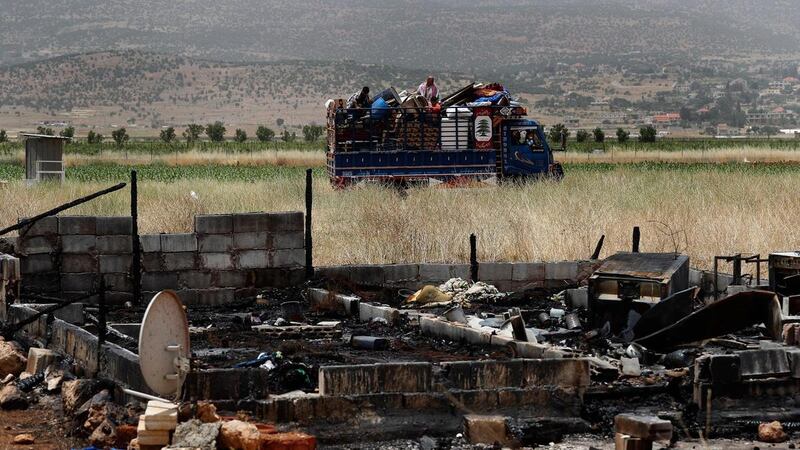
(42, 420)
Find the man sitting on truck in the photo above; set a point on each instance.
(428, 89)
(359, 99)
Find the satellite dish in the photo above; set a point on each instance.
(164, 344)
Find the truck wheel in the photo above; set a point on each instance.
(556, 172)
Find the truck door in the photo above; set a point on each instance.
(525, 150)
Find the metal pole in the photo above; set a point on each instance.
(309, 244)
(136, 270)
(636, 237)
(473, 257)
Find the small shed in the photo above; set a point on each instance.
(44, 157)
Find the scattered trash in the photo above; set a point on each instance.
(455, 314)
(369, 342)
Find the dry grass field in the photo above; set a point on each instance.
(700, 211)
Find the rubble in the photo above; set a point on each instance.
(772, 432)
(192, 434)
(11, 397)
(239, 435)
(12, 359)
(23, 439)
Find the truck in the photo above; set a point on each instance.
(402, 140)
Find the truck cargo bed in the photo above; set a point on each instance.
(411, 164)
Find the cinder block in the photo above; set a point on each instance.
(459, 271)
(72, 313)
(216, 261)
(118, 298)
(79, 282)
(434, 272)
(368, 312)
(118, 282)
(250, 222)
(286, 221)
(31, 245)
(528, 271)
(182, 242)
(488, 430)
(150, 242)
(37, 263)
(43, 227)
(115, 263)
(215, 243)
(650, 428)
(375, 378)
(491, 374)
(39, 359)
(393, 273)
(78, 243)
(158, 281)
(291, 239)
(180, 261)
(213, 224)
(252, 240)
(230, 278)
(194, 279)
(565, 270)
(151, 262)
(79, 263)
(114, 245)
(212, 297)
(77, 225)
(254, 259)
(287, 258)
(489, 272)
(122, 225)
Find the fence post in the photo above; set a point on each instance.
(308, 243)
(473, 257)
(636, 236)
(136, 270)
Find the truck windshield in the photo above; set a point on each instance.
(529, 137)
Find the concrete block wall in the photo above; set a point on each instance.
(69, 255)
(506, 276)
(227, 256)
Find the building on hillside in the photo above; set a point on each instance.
(776, 115)
(666, 119)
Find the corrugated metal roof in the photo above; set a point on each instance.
(46, 136)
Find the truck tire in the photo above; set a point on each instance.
(556, 171)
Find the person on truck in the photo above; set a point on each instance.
(359, 99)
(428, 89)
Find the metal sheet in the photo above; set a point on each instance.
(725, 316)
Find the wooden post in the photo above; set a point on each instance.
(636, 237)
(308, 243)
(136, 270)
(473, 257)
(598, 248)
(101, 324)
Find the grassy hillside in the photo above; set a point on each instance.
(446, 34)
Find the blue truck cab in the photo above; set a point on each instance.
(460, 144)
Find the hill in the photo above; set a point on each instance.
(431, 34)
(150, 89)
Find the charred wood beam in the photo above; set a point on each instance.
(58, 209)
